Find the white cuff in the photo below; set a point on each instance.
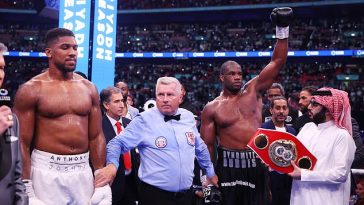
(282, 32)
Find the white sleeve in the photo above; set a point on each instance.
(342, 156)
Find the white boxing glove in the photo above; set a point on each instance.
(33, 200)
(101, 196)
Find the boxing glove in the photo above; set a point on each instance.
(102, 196)
(30, 192)
(281, 18)
(211, 195)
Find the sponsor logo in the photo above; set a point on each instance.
(190, 138)
(161, 142)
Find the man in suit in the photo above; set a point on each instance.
(305, 99)
(130, 111)
(12, 189)
(274, 91)
(124, 187)
(280, 184)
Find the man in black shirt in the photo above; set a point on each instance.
(305, 98)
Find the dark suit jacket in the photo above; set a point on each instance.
(291, 118)
(270, 125)
(301, 121)
(12, 189)
(280, 184)
(118, 186)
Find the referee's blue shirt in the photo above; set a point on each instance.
(167, 149)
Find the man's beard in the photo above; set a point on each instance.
(319, 117)
(233, 89)
(62, 67)
(304, 110)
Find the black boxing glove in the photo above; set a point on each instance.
(212, 195)
(281, 17)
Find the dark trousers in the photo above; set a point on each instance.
(150, 195)
(130, 192)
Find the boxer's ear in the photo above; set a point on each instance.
(221, 78)
(48, 52)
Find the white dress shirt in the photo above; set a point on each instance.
(329, 181)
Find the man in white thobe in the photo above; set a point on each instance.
(329, 139)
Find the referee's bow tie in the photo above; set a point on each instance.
(172, 117)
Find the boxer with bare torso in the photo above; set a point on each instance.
(233, 118)
(60, 129)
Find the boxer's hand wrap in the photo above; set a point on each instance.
(30, 192)
(282, 32)
(281, 18)
(102, 196)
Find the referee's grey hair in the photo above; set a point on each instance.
(3, 48)
(168, 81)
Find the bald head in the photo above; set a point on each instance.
(224, 67)
(124, 89)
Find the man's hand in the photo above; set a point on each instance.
(296, 173)
(105, 175)
(199, 194)
(6, 118)
(212, 180)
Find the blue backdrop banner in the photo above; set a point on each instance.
(104, 40)
(75, 15)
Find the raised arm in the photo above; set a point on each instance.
(281, 18)
(208, 128)
(24, 108)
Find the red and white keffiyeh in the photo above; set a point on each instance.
(338, 105)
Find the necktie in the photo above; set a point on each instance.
(172, 117)
(126, 156)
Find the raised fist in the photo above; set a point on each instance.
(281, 17)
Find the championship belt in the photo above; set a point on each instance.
(277, 150)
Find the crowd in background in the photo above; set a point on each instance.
(201, 77)
(154, 4)
(203, 85)
(338, 33)
(311, 34)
